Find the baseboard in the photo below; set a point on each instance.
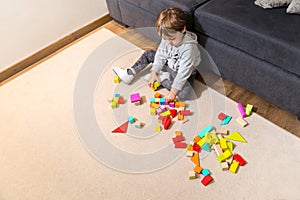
(52, 48)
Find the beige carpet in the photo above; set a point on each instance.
(50, 150)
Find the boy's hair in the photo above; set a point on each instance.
(170, 21)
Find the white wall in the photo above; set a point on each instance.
(30, 25)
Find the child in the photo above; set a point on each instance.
(174, 62)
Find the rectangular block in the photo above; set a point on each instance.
(234, 166)
(181, 145)
(241, 122)
(241, 109)
(249, 108)
(207, 129)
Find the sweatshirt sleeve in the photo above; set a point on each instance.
(189, 59)
(160, 57)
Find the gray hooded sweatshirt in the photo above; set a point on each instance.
(181, 59)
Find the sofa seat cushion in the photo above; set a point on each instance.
(154, 7)
(271, 35)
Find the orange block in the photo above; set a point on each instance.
(195, 159)
(198, 169)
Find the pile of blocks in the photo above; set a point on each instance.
(166, 112)
(117, 99)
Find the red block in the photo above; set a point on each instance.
(180, 145)
(167, 122)
(173, 112)
(178, 138)
(206, 180)
(239, 159)
(222, 116)
(185, 112)
(196, 147)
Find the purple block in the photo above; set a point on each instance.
(135, 97)
(241, 109)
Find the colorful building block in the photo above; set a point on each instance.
(241, 109)
(234, 166)
(157, 128)
(205, 172)
(236, 136)
(198, 169)
(226, 120)
(131, 119)
(249, 108)
(239, 159)
(241, 121)
(206, 180)
(222, 116)
(182, 145)
(207, 129)
(178, 138)
(135, 97)
(116, 79)
(195, 159)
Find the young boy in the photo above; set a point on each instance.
(174, 62)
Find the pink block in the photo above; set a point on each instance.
(135, 97)
(178, 138)
(241, 109)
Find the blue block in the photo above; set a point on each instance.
(206, 147)
(226, 120)
(131, 119)
(117, 95)
(205, 172)
(206, 130)
(152, 100)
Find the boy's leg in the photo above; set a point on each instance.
(187, 92)
(127, 75)
(146, 58)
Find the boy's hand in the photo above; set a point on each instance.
(171, 95)
(153, 78)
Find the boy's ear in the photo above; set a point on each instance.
(183, 30)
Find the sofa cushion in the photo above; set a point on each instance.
(294, 7)
(271, 35)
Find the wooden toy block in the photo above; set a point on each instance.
(189, 153)
(154, 105)
(178, 138)
(222, 131)
(157, 95)
(113, 104)
(182, 104)
(178, 133)
(177, 104)
(180, 109)
(249, 108)
(196, 147)
(206, 147)
(230, 145)
(152, 100)
(226, 120)
(162, 101)
(236, 136)
(229, 160)
(131, 119)
(184, 120)
(185, 112)
(234, 166)
(152, 111)
(189, 147)
(201, 142)
(138, 124)
(172, 105)
(160, 110)
(192, 175)
(224, 166)
(173, 112)
(241, 121)
(206, 180)
(116, 79)
(137, 103)
(165, 113)
(135, 97)
(157, 128)
(205, 172)
(155, 86)
(224, 156)
(197, 139)
(207, 129)
(121, 129)
(241, 109)
(121, 100)
(161, 119)
(239, 159)
(223, 144)
(198, 169)
(180, 117)
(182, 145)
(222, 116)
(115, 99)
(167, 122)
(218, 149)
(195, 159)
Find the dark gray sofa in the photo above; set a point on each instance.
(257, 49)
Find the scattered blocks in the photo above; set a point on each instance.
(208, 128)
(192, 175)
(135, 98)
(198, 169)
(121, 129)
(226, 120)
(239, 159)
(116, 79)
(236, 136)
(205, 172)
(157, 128)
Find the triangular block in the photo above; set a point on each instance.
(236, 136)
(173, 112)
(122, 128)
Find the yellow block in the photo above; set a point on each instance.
(234, 166)
(223, 144)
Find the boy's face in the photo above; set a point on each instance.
(175, 38)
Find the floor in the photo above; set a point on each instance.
(273, 113)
